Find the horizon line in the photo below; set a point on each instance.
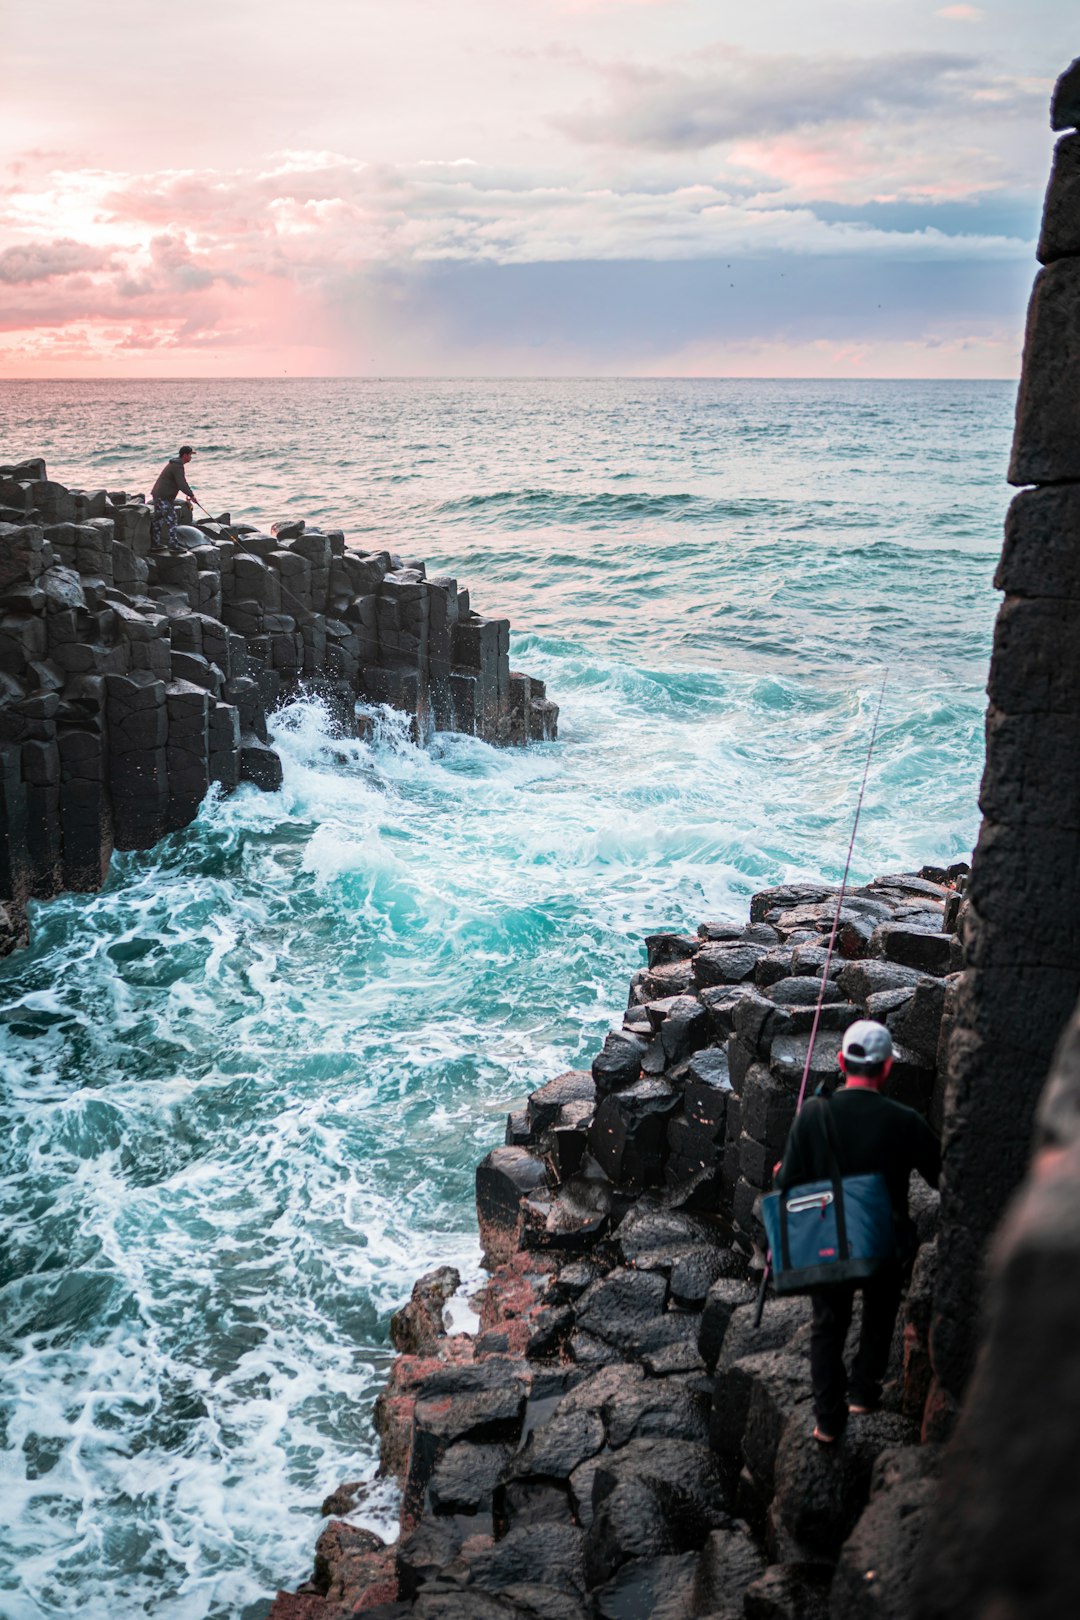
(483, 376)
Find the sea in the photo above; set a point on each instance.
(243, 1090)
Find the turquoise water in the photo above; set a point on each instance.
(245, 1087)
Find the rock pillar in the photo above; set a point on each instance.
(1023, 928)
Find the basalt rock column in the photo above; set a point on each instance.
(1023, 927)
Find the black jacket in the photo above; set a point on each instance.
(874, 1133)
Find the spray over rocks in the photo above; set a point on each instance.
(134, 680)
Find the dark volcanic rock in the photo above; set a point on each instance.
(879, 1561)
(555, 1550)
(730, 1560)
(466, 1476)
(619, 1064)
(621, 1307)
(416, 1328)
(822, 1490)
(656, 1588)
(560, 1445)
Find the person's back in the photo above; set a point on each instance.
(171, 481)
(872, 1134)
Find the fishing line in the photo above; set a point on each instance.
(840, 897)
(239, 544)
(767, 1272)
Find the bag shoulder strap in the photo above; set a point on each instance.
(832, 1139)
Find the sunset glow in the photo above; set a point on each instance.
(350, 193)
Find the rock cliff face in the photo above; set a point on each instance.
(131, 680)
(1023, 940)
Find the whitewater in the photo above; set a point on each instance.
(243, 1090)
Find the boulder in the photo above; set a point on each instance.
(417, 1327)
(878, 1564)
(822, 1490)
(619, 1063)
(659, 1588)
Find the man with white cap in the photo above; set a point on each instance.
(873, 1133)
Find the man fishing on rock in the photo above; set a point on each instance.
(170, 482)
(858, 1132)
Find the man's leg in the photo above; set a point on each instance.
(880, 1298)
(157, 518)
(832, 1318)
(170, 524)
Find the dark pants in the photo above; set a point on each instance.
(832, 1318)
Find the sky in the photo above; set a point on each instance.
(523, 187)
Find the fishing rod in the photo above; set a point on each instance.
(238, 542)
(767, 1273)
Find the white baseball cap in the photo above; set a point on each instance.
(867, 1043)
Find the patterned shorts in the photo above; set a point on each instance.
(164, 513)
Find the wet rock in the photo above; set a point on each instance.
(484, 1417)
(875, 1574)
(654, 1498)
(259, 765)
(659, 1588)
(562, 1444)
(546, 1104)
(658, 1408)
(726, 964)
(663, 949)
(507, 1175)
(465, 1477)
(929, 952)
(693, 1274)
(555, 1549)
(723, 1299)
(629, 1132)
(802, 991)
(862, 979)
(572, 1218)
(822, 1490)
(348, 1561)
(426, 1552)
(619, 1063)
(621, 1307)
(649, 1227)
(730, 1560)
(521, 1501)
(789, 1592)
(416, 1328)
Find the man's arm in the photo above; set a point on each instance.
(925, 1151)
(183, 485)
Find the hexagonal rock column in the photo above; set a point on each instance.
(1023, 933)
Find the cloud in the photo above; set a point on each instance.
(28, 262)
(198, 262)
(961, 13)
(736, 95)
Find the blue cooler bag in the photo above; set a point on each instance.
(839, 1230)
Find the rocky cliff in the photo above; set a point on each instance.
(131, 679)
